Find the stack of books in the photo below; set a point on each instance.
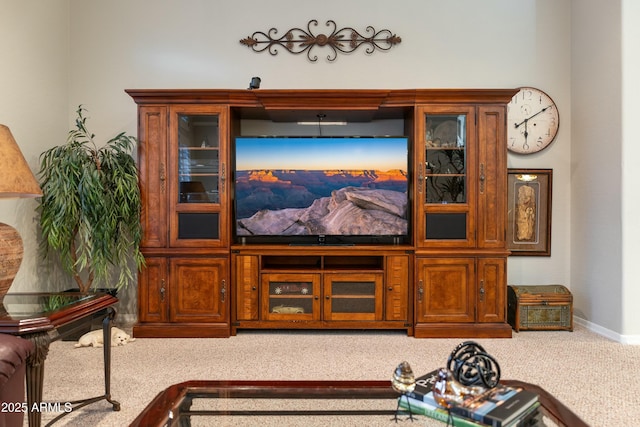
(501, 406)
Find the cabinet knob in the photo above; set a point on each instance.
(253, 288)
(390, 288)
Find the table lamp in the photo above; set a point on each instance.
(16, 180)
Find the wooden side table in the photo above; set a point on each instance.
(47, 317)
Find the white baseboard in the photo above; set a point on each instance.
(607, 333)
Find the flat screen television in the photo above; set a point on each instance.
(321, 190)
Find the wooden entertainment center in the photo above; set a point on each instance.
(202, 280)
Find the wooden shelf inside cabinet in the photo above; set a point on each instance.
(360, 263)
(322, 263)
(291, 263)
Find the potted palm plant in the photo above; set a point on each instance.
(90, 208)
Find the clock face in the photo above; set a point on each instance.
(532, 121)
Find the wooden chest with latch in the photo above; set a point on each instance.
(540, 307)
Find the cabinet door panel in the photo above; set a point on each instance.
(199, 290)
(492, 288)
(445, 290)
(397, 295)
(290, 296)
(353, 296)
(198, 189)
(152, 291)
(492, 194)
(446, 157)
(247, 284)
(152, 163)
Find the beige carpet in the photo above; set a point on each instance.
(597, 378)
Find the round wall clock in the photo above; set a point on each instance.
(532, 121)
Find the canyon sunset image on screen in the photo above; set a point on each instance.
(321, 186)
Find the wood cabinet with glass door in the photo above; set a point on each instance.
(198, 184)
(460, 208)
(446, 152)
(183, 290)
(303, 288)
(446, 278)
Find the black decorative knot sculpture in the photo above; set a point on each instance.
(471, 365)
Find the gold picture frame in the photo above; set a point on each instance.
(529, 211)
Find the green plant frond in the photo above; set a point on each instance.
(90, 208)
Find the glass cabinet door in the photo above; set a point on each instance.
(198, 158)
(353, 296)
(445, 153)
(290, 296)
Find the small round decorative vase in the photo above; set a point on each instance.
(403, 380)
(11, 251)
(447, 390)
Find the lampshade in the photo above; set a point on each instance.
(16, 180)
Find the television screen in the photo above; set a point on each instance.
(331, 190)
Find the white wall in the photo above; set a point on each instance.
(123, 44)
(596, 171)
(547, 67)
(33, 104)
(604, 202)
(630, 152)
(494, 43)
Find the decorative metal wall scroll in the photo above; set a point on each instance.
(343, 40)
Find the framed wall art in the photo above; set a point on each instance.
(529, 211)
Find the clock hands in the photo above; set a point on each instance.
(525, 146)
(517, 125)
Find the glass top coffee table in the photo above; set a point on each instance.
(322, 403)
